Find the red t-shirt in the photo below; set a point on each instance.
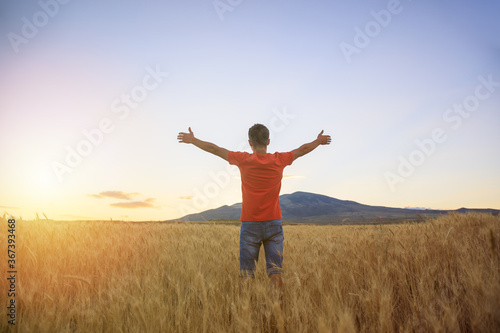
(260, 183)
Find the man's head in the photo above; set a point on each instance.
(258, 136)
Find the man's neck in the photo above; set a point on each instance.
(260, 151)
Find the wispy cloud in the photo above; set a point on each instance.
(114, 194)
(292, 176)
(148, 203)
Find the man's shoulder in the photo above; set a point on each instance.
(286, 157)
(282, 153)
(287, 154)
(236, 157)
(239, 153)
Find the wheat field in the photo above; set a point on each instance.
(440, 275)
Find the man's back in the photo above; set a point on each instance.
(260, 183)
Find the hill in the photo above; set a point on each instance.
(308, 207)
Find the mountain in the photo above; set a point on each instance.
(316, 208)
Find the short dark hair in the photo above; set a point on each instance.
(258, 135)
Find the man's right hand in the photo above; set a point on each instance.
(308, 147)
(324, 139)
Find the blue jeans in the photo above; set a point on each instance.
(252, 235)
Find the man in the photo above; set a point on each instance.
(261, 174)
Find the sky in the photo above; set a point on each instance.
(94, 93)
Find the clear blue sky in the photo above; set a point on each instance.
(378, 76)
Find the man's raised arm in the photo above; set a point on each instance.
(206, 146)
(308, 147)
